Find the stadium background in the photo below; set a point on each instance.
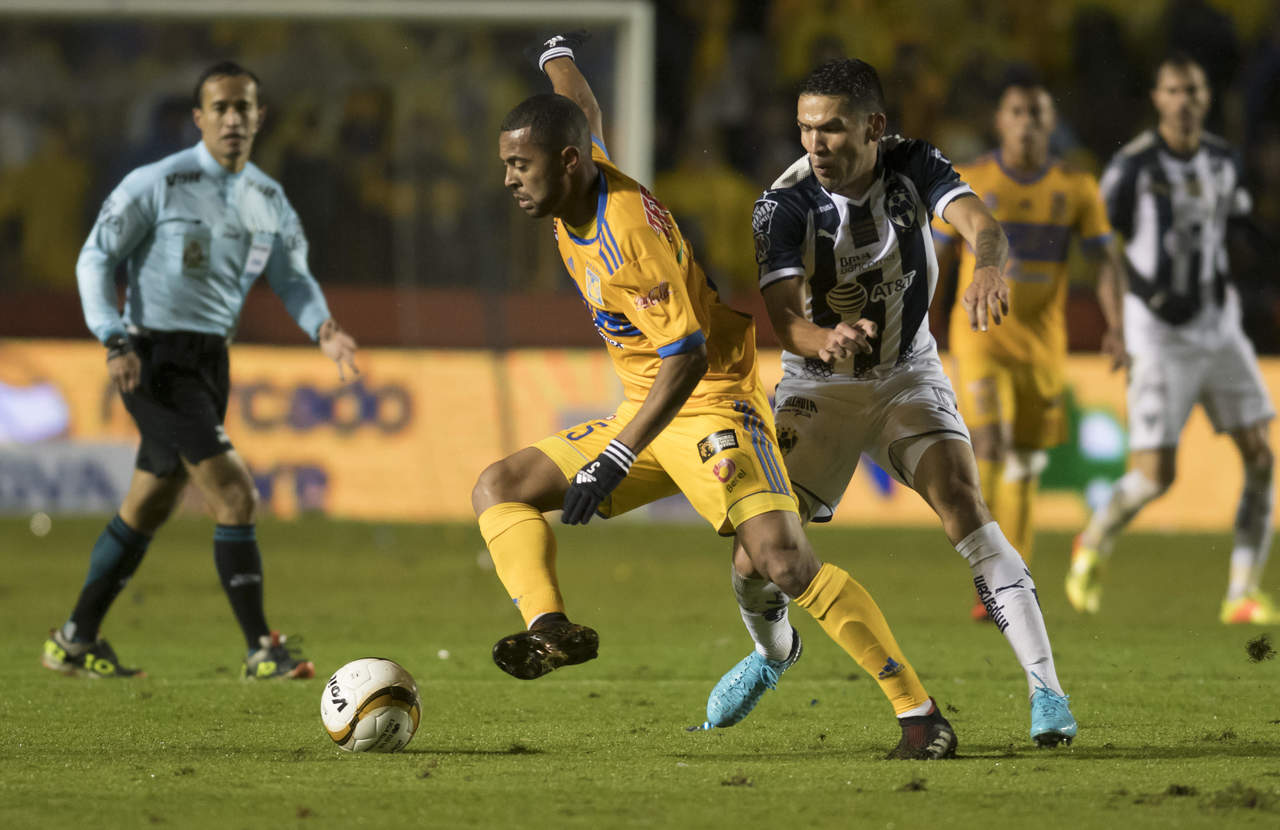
(382, 130)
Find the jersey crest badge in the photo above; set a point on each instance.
(900, 207)
(593, 287)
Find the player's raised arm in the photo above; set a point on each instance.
(987, 298)
(554, 56)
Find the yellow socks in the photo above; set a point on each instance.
(524, 555)
(851, 617)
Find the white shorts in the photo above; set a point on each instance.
(825, 426)
(1167, 379)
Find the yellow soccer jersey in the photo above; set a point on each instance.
(1039, 215)
(647, 296)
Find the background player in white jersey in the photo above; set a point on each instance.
(195, 230)
(1170, 192)
(847, 268)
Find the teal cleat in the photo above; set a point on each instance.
(741, 688)
(1051, 720)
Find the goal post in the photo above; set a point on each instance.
(632, 19)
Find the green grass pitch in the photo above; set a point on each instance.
(1178, 727)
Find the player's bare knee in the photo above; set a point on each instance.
(958, 501)
(238, 502)
(495, 485)
(789, 564)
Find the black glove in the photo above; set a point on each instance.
(595, 481)
(556, 46)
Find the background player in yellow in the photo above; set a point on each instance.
(694, 418)
(1010, 379)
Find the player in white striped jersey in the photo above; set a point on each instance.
(1170, 193)
(847, 269)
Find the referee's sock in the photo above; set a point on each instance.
(235, 552)
(115, 557)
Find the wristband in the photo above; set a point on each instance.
(620, 454)
(118, 345)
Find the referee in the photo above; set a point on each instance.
(195, 230)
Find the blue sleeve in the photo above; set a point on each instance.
(688, 343)
(780, 225)
(126, 218)
(290, 277)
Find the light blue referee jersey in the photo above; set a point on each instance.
(195, 237)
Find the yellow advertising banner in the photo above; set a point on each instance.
(407, 438)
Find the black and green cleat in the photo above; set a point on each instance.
(96, 659)
(277, 658)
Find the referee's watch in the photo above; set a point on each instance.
(118, 345)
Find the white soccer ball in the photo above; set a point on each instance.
(370, 705)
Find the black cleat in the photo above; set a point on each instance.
(538, 651)
(925, 738)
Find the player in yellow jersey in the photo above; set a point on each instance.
(695, 418)
(1010, 379)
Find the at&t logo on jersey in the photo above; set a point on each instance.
(882, 291)
(847, 299)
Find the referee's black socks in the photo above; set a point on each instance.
(115, 557)
(235, 551)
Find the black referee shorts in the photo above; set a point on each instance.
(181, 399)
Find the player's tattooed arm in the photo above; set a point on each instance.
(987, 297)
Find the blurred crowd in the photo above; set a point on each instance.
(383, 132)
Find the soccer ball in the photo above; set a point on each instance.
(370, 705)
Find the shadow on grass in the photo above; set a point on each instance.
(989, 753)
(1244, 749)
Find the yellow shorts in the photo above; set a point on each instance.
(1027, 396)
(723, 457)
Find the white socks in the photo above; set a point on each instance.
(1128, 495)
(764, 611)
(1005, 586)
(1253, 532)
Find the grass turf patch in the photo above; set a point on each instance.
(1178, 726)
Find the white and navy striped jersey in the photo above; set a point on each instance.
(871, 257)
(1173, 211)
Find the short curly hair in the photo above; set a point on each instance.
(554, 122)
(849, 78)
